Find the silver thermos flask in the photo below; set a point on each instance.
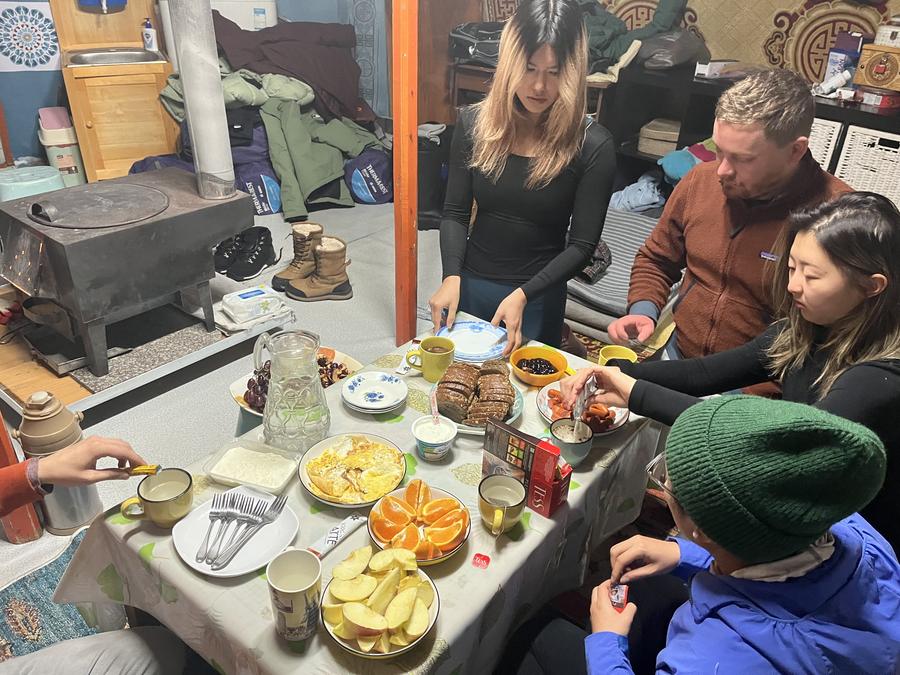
(48, 426)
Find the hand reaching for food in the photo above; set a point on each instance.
(613, 386)
(445, 298)
(597, 416)
(510, 312)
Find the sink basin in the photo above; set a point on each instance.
(112, 56)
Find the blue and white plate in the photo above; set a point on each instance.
(475, 341)
(373, 391)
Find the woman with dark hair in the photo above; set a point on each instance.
(540, 173)
(837, 345)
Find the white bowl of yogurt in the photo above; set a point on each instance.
(433, 441)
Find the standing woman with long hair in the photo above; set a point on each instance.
(540, 173)
(837, 346)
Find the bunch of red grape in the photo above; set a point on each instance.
(258, 387)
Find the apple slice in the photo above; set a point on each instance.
(385, 591)
(425, 592)
(353, 590)
(332, 613)
(399, 638)
(366, 643)
(405, 558)
(343, 632)
(401, 607)
(383, 646)
(363, 621)
(382, 561)
(418, 620)
(354, 565)
(409, 581)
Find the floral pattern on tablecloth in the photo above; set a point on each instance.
(485, 590)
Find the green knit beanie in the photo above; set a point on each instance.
(764, 479)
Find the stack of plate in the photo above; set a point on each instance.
(374, 392)
(475, 341)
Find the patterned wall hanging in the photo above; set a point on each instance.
(498, 10)
(802, 37)
(27, 37)
(638, 13)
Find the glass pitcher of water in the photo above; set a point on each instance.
(296, 414)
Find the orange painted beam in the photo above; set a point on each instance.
(404, 89)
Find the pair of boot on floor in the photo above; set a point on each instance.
(319, 268)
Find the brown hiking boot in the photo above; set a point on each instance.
(329, 281)
(306, 237)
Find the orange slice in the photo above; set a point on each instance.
(408, 538)
(445, 538)
(417, 494)
(433, 510)
(426, 550)
(396, 510)
(458, 515)
(384, 529)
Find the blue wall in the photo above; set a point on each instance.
(22, 93)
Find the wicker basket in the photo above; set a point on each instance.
(870, 160)
(823, 139)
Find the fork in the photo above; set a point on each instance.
(232, 510)
(270, 516)
(251, 514)
(216, 512)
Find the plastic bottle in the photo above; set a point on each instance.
(833, 83)
(148, 35)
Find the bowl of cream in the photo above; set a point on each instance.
(433, 441)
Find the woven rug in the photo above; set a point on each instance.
(29, 619)
(592, 345)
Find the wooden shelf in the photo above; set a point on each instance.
(858, 115)
(629, 148)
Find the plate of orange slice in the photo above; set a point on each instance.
(426, 520)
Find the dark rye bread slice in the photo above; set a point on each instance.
(452, 404)
(463, 389)
(479, 408)
(496, 397)
(461, 374)
(495, 367)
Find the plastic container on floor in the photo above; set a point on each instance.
(61, 145)
(29, 180)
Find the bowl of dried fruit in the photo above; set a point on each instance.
(538, 366)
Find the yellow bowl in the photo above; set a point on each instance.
(554, 357)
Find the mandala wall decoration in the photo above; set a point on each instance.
(27, 37)
(802, 37)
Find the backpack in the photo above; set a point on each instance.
(477, 43)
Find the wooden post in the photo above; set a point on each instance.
(404, 87)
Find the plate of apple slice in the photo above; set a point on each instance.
(379, 605)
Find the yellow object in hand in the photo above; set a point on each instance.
(144, 470)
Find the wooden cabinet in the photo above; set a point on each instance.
(118, 117)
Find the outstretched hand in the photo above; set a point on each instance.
(445, 298)
(510, 312)
(77, 464)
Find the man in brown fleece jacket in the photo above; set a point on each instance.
(722, 220)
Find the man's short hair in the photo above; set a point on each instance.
(778, 100)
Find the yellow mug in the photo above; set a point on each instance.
(164, 498)
(433, 356)
(611, 352)
(501, 501)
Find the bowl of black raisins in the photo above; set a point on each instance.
(538, 366)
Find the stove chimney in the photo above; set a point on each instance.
(195, 45)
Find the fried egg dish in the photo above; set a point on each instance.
(356, 470)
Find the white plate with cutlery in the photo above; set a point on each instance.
(269, 541)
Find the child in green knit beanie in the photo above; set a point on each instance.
(784, 575)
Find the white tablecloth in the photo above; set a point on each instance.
(229, 621)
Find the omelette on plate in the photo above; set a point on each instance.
(356, 470)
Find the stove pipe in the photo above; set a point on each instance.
(195, 44)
